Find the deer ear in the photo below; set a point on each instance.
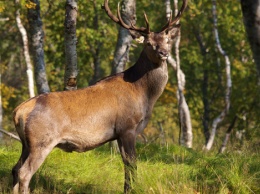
(173, 31)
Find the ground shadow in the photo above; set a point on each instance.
(48, 185)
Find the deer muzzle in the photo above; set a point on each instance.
(163, 54)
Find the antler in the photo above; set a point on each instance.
(177, 18)
(120, 21)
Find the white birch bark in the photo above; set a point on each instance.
(224, 112)
(29, 70)
(4, 19)
(186, 135)
(124, 40)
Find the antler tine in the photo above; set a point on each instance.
(120, 21)
(168, 23)
(177, 18)
(147, 23)
(109, 13)
(142, 29)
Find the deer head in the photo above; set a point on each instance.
(157, 45)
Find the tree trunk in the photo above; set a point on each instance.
(37, 38)
(205, 83)
(97, 69)
(70, 40)
(124, 38)
(206, 105)
(95, 49)
(251, 15)
(185, 138)
(227, 136)
(1, 106)
(25, 52)
(224, 112)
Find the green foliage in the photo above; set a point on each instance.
(245, 93)
(9, 93)
(161, 169)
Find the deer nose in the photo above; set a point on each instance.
(163, 54)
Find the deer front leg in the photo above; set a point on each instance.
(126, 145)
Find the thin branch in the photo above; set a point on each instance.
(4, 19)
(48, 10)
(10, 134)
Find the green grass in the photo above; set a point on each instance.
(170, 169)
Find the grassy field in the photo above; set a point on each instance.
(161, 170)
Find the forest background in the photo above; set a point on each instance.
(200, 60)
(173, 168)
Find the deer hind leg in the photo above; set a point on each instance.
(126, 145)
(34, 160)
(15, 170)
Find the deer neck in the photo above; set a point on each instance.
(148, 76)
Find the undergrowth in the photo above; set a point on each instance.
(161, 169)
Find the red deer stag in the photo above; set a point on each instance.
(115, 108)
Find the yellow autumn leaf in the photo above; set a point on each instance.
(30, 5)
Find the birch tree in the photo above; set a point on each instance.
(124, 40)
(224, 112)
(37, 39)
(70, 40)
(23, 32)
(185, 138)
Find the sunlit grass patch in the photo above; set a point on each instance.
(161, 169)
